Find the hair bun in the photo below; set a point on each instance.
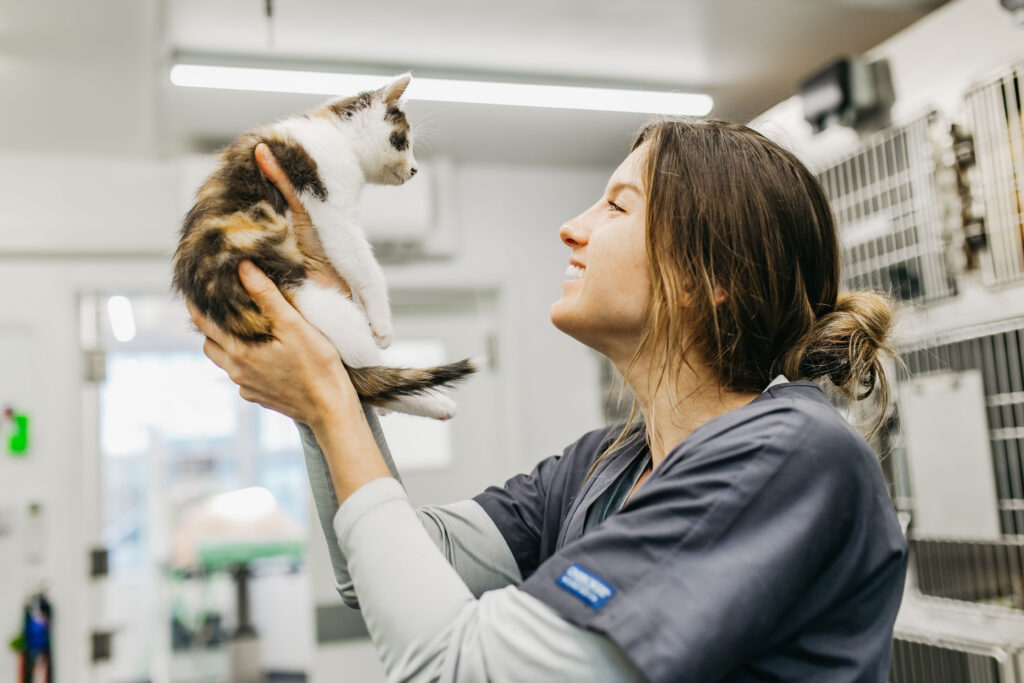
(845, 343)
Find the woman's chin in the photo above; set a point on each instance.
(567, 322)
(559, 316)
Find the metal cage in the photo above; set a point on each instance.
(997, 351)
(889, 216)
(993, 113)
(990, 572)
(918, 659)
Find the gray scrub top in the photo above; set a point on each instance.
(764, 546)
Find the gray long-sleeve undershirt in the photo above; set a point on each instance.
(442, 605)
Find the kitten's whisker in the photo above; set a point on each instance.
(429, 117)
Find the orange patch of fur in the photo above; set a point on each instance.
(249, 324)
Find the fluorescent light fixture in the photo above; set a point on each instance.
(443, 90)
(121, 319)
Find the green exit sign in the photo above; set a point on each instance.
(18, 439)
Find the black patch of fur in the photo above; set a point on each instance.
(400, 133)
(298, 166)
(244, 184)
(286, 273)
(349, 106)
(198, 262)
(399, 141)
(212, 261)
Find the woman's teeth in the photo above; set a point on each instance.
(575, 272)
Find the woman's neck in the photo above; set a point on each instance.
(672, 410)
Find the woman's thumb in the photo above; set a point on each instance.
(263, 290)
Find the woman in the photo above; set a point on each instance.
(739, 531)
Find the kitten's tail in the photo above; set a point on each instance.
(379, 384)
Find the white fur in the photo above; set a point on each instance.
(343, 324)
(430, 404)
(341, 321)
(350, 153)
(337, 218)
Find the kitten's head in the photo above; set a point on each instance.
(382, 131)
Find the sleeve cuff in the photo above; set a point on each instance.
(366, 498)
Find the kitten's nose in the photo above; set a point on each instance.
(412, 171)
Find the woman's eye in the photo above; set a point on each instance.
(614, 206)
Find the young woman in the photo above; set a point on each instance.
(738, 530)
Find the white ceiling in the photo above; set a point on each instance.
(748, 54)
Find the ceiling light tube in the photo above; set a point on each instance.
(444, 90)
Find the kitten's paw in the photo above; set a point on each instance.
(442, 408)
(431, 404)
(381, 335)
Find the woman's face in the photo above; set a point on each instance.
(607, 286)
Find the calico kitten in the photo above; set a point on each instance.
(328, 154)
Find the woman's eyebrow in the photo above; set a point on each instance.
(619, 186)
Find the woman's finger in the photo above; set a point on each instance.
(265, 293)
(275, 174)
(207, 326)
(216, 353)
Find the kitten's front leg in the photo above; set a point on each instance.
(372, 290)
(340, 320)
(351, 255)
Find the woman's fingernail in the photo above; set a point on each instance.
(246, 267)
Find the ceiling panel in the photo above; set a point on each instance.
(748, 54)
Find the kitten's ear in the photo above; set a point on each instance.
(391, 92)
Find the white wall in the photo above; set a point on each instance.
(80, 77)
(506, 219)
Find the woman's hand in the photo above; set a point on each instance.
(298, 373)
(318, 268)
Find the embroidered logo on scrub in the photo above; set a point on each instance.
(586, 586)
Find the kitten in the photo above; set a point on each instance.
(328, 154)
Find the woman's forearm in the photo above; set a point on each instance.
(462, 531)
(353, 456)
(326, 502)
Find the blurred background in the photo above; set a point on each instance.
(154, 527)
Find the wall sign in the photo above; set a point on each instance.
(15, 431)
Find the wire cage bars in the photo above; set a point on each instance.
(889, 217)
(997, 351)
(993, 116)
(917, 659)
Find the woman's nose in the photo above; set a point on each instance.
(571, 233)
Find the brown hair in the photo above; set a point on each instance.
(729, 212)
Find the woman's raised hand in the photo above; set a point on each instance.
(297, 373)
